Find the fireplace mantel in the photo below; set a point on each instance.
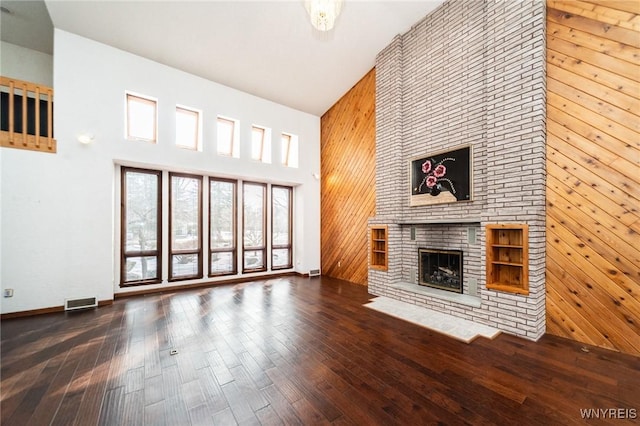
(382, 220)
(471, 220)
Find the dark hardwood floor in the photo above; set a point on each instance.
(292, 351)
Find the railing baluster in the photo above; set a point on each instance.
(24, 114)
(37, 116)
(49, 119)
(11, 111)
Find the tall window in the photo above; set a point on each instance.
(261, 144)
(185, 219)
(281, 235)
(289, 150)
(187, 128)
(254, 227)
(222, 227)
(141, 225)
(228, 140)
(141, 118)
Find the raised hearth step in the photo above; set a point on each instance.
(457, 328)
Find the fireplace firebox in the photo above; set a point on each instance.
(441, 269)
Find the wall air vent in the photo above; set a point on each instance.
(73, 304)
(314, 273)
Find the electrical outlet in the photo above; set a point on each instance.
(8, 292)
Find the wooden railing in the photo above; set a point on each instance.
(22, 125)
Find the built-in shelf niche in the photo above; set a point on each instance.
(379, 247)
(508, 258)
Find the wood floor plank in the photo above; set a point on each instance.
(175, 411)
(38, 390)
(200, 415)
(242, 411)
(215, 399)
(153, 390)
(291, 351)
(268, 417)
(58, 387)
(154, 414)
(283, 408)
(133, 408)
(248, 388)
(224, 417)
(112, 412)
(220, 370)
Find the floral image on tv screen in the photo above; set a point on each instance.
(442, 177)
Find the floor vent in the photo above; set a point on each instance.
(314, 273)
(72, 304)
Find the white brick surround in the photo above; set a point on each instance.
(471, 72)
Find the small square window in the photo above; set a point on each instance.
(187, 128)
(261, 144)
(141, 118)
(228, 141)
(289, 150)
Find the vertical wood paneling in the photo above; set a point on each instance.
(348, 181)
(593, 172)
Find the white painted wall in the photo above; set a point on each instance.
(60, 213)
(26, 64)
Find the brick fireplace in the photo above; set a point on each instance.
(470, 73)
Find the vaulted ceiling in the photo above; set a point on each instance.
(266, 48)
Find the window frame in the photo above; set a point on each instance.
(123, 229)
(197, 135)
(234, 249)
(143, 99)
(263, 131)
(198, 251)
(262, 248)
(289, 150)
(285, 152)
(289, 245)
(232, 142)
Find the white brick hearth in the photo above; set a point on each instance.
(470, 73)
(454, 327)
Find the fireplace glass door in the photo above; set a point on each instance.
(441, 269)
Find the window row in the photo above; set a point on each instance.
(142, 226)
(142, 123)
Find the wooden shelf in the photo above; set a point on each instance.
(508, 258)
(507, 263)
(378, 247)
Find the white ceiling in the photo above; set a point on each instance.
(27, 25)
(266, 48)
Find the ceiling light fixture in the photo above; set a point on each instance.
(323, 13)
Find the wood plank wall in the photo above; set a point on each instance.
(348, 181)
(593, 172)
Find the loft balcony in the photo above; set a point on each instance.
(26, 116)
